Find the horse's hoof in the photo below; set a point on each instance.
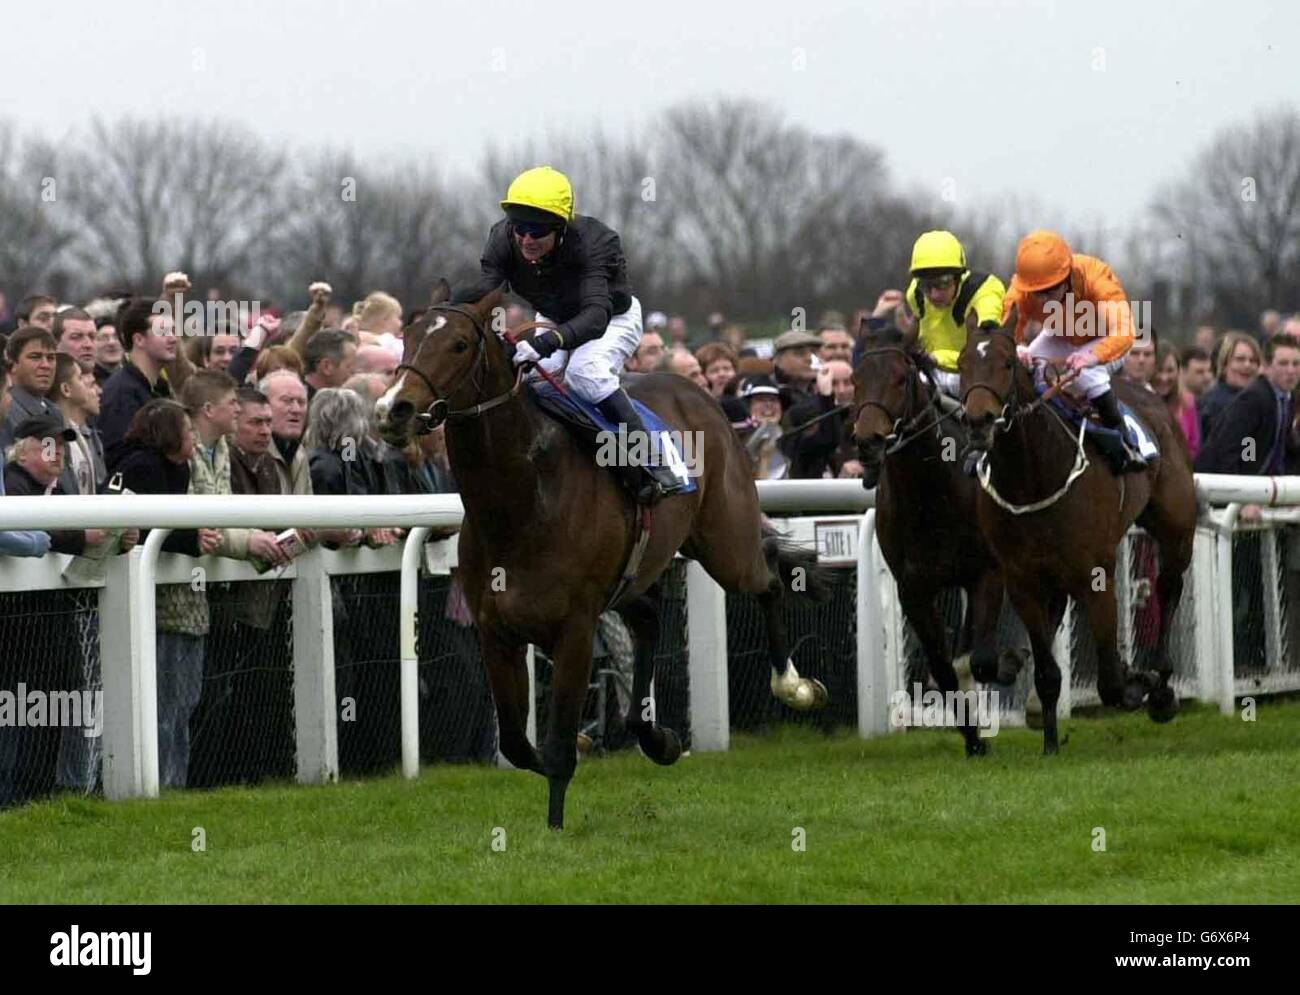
(671, 750)
(821, 697)
(1162, 705)
(1111, 697)
(1134, 695)
(976, 748)
(1051, 749)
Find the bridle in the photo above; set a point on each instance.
(1011, 406)
(438, 411)
(906, 423)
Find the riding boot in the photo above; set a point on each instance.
(655, 479)
(1107, 407)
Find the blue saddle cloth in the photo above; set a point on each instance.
(1140, 438)
(587, 420)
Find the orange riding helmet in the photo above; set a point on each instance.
(1043, 260)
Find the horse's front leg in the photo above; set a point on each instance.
(570, 680)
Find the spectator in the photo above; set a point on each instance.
(1195, 371)
(649, 354)
(36, 310)
(795, 370)
(30, 355)
(678, 334)
(733, 335)
(216, 352)
(767, 405)
(719, 363)
(252, 470)
(287, 395)
(342, 456)
(74, 331)
(22, 542)
(836, 343)
(657, 321)
(818, 425)
(379, 314)
(717, 322)
(1238, 361)
(1208, 339)
(33, 465)
(274, 359)
(76, 394)
(1291, 326)
(1254, 432)
(685, 365)
(1182, 405)
(1270, 323)
(154, 458)
(1140, 361)
(376, 359)
(328, 360)
(148, 337)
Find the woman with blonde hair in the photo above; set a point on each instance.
(1239, 362)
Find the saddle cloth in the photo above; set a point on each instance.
(1107, 438)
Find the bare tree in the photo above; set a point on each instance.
(33, 227)
(1236, 215)
(148, 197)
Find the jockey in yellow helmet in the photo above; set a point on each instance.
(571, 269)
(943, 296)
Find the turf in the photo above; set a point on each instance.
(1206, 809)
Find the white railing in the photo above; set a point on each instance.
(127, 604)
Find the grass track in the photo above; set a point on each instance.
(1206, 809)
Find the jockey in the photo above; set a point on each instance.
(943, 295)
(571, 267)
(1084, 319)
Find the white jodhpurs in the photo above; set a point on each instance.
(949, 383)
(591, 370)
(1092, 381)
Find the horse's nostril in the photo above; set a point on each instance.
(401, 411)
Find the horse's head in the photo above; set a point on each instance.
(885, 396)
(451, 360)
(989, 382)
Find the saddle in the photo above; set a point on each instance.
(594, 431)
(1078, 412)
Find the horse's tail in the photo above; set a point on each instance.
(798, 567)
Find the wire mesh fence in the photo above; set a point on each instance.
(823, 641)
(242, 731)
(50, 677)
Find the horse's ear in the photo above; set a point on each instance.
(441, 292)
(485, 305)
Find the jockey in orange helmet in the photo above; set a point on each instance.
(1083, 318)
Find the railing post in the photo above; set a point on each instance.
(410, 689)
(315, 707)
(121, 642)
(1205, 588)
(1227, 674)
(874, 678)
(1271, 582)
(706, 626)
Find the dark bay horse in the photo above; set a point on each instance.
(1055, 525)
(547, 533)
(925, 508)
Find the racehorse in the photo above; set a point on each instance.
(1054, 515)
(548, 534)
(925, 507)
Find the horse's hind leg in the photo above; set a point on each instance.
(1116, 684)
(1175, 550)
(508, 676)
(569, 682)
(921, 608)
(659, 743)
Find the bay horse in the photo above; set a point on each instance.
(548, 533)
(925, 507)
(1054, 514)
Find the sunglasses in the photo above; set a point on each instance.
(533, 229)
(928, 283)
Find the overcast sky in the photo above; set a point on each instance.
(1084, 106)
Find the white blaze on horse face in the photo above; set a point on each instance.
(385, 403)
(983, 350)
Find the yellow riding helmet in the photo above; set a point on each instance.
(938, 250)
(540, 189)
